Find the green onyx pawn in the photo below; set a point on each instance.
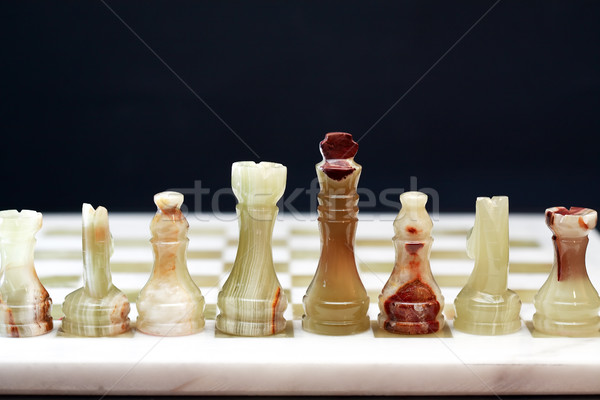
(170, 304)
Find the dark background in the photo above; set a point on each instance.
(89, 114)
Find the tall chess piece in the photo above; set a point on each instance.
(98, 308)
(24, 302)
(336, 302)
(567, 304)
(411, 301)
(251, 302)
(485, 306)
(170, 304)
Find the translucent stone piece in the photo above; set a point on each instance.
(336, 302)
(567, 304)
(170, 304)
(252, 302)
(485, 306)
(411, 301)
(98, 308)
(24, 303)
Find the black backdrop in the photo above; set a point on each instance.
(89, 113)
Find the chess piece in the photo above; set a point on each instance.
(24, 302)
(411, 301)
(170, 304)
(251, 302)
(485, 306)
(336, 302)
(98, 308)
(567, 304)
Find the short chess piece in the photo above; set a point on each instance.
(485, 306)
(25, 305)
(170, 304)
(568, 304)
(411, 301)
(98, 308)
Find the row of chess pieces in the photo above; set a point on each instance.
(410, 303)
(252, 301)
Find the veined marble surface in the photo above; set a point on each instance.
(297, 362)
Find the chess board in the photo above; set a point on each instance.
(297, 362)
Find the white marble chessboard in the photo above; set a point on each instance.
(297, 362)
